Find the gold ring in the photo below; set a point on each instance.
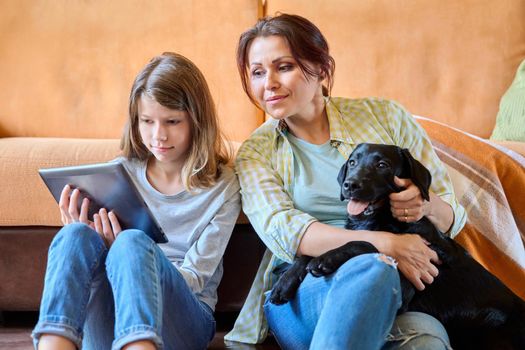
(406, 212)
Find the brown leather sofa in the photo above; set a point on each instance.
(66, 68)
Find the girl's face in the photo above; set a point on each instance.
(278, 83)
(165, 132)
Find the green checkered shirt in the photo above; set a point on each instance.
(265, 168)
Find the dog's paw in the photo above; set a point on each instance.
(322, 266)
(281, 294)
(277, 298)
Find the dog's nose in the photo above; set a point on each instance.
(351, 185)
(355, 185)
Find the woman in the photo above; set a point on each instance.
(288, 170)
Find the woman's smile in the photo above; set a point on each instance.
(275, 99)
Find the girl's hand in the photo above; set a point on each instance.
(106, 224)
(415, 259)
(408, 205)
(68, 205)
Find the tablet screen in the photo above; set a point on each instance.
(106, 185)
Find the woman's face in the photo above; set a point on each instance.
(278, 83)
(165, 132)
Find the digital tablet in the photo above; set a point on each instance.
(106, 185)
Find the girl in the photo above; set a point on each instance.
(106, 288)
(288, 170)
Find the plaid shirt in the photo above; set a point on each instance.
(265, 168)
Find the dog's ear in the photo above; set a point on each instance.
(342, 173)
(417, 172)
(341, 177)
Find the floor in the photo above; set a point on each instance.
(15, 331)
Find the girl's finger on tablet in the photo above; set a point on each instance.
(64, 218)
(84, 208)
(114, 223)
(63, 204)
(98, 227)
(106, 226)
(73, 202)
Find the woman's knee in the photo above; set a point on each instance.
(416, 330)
(374, 266)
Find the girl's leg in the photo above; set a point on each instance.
(55, 342)
(152, 300)
(354, 308)
(100, 319)
(76, 257)
(416, 330)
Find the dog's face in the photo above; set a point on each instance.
(367, 177)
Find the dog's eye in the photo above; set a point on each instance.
(383, 165)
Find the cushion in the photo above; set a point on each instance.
(489, 183)
(510, 122)
(25, 199)
(511, 146)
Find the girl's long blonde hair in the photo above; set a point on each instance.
(176, 83)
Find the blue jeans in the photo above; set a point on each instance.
(102, 299)
(354, 308)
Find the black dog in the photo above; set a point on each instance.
(476, 308)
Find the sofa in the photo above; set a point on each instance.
(66, 68)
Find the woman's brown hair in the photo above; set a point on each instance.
(306, 42)
(176, 83)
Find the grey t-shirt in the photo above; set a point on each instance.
(198, 225)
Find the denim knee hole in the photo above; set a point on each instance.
(387, 260)
(411, 335)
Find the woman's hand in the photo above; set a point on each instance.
(408, 205)
(106, 224)
(415, 260)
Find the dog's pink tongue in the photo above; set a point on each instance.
(355, 207)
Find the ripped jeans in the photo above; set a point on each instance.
(354, 308)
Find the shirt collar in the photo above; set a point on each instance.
(339, 132)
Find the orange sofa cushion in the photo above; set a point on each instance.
(26, 200)
(67, 66)
(446, 59)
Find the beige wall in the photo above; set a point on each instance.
(66, 66)
(450, 60)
